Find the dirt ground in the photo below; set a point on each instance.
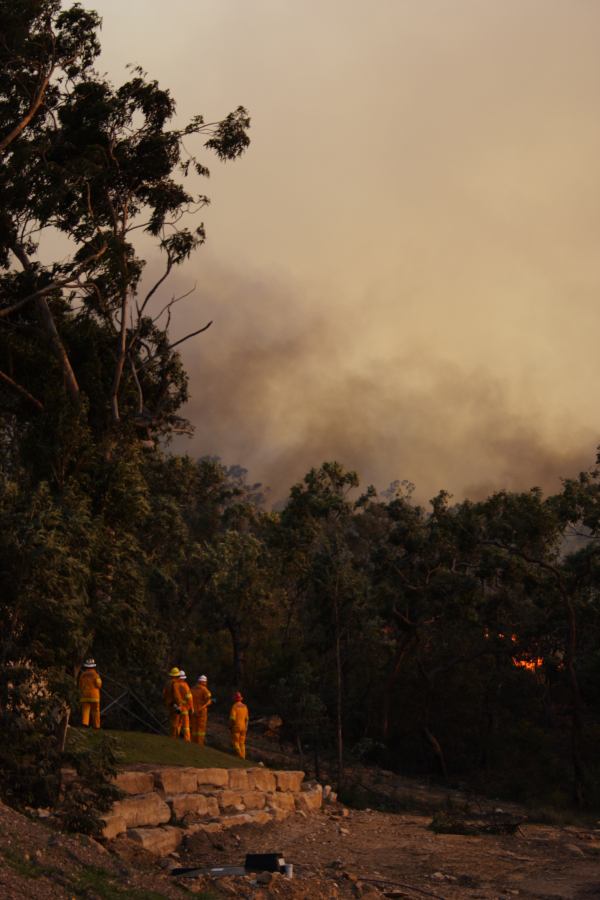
(399, 856)
(335, 853)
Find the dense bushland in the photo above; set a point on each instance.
(459, 640)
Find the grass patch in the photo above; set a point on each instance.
(155, 749)
(24, 867)
(99, 883)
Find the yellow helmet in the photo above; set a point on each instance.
(174, 672)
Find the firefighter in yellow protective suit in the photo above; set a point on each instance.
(171, 699)
(89, 684)
(202, 700)
(185, 704)
(238, 719)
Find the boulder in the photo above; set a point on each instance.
(261, 780)
(131, 782)
(235, 820)
(176, 780)
(145, 809)
(253, 799)
(238, 780)
(260, 817)
(289, 781)
(212, 778)
(280, 815)
(212, 807)
(281, 800)
(113, 825)
(160, 841)
(205, 828)
(182, 804)
(231, 801)
(311, 799)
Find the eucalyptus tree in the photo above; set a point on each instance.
(95, 165)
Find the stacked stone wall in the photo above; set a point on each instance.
(160, 807)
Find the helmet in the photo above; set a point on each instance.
(89, 664)
(174, 672)
(203, 678)
(182, 674)
(237, 696)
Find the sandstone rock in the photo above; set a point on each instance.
(212, 807)
(114, 825)
(131, 782)
(231, 800)
(176, 780)
(280, 815)
(281, 800)
(253, 799)
(310, 800)
(212, 778)
(145, 809)
(261, 780)
(289, 781)
(205, 828)
(238, 780)
(157, 840)
(260, 817)
(181, 804)
(235, 820)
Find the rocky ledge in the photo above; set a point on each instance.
(161, 806)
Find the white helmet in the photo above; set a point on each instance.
(89, 664)
(182, 674)
(203, 678)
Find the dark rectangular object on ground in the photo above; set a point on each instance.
(264, 862)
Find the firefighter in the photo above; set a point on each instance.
(202, 699)
(238, 719)
(170, 696)
(185, 704)
(89, 684)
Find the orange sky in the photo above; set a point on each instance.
(403, 271)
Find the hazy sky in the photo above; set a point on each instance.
(404, 269)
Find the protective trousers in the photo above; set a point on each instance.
(90, 709)
(238, 739)
(199, 721)
(184, 725)
(174, 722)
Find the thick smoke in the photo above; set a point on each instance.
(279, 391)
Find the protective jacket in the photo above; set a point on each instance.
(182, 695)
(169, 693)
(89, 686)
(201, 697)
(238, 717)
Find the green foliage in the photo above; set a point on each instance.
(93, 792)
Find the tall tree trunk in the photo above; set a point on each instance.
(238, 647)
(390, 683)
(338, 694)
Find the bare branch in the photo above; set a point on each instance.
(71, 281)
(188, 336)
(23, 392)
(35, 105)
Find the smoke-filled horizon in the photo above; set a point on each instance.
(402, 271)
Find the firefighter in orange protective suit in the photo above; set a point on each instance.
(202, 700)
(171, 698)
(89, 684)
(185, 703)
(238, 719)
